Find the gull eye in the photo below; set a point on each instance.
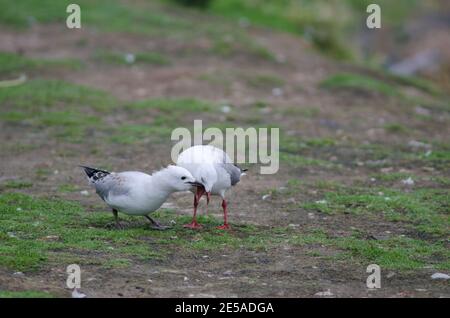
(183, 178)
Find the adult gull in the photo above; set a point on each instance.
(214, 169)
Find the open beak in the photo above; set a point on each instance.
(195, 183)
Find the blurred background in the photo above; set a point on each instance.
(413, 39)
(364, 118)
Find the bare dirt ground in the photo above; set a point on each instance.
(285, 271)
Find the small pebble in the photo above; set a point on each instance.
(408, 181)
(76, 294)
(277, 92)
(440, 276)
(225, 109)
(422, 111)
(130, 58)
(390, 275)
(326, 293)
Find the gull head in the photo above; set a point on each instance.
(179, 179)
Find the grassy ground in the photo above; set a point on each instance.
(110, 94)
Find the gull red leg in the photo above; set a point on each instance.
(208, 198)
(225, 225)
(194, 224)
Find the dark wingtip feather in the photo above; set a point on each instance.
(91, 172)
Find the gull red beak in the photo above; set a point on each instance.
(195, 184)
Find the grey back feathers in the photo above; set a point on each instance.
(112, 184)
(234, 172)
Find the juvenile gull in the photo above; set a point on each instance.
(213, 168)
(138, 193)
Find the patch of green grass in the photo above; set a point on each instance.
(236, 43)
(308, 112)
(325, 24)
(181, 105)
(423, 209)
(68, 188)
(165, 115)
(395, 128)
(16, 184)
(397, 253)
(401, 155)
(13, 116)
(296, 151)
(52, 231)
(42, 173)
(13, 63)
(33, 235)
(69, 125)
(24, 294)
(117, 263)
(223, 48)
(317, 236)
(107, 15)
(299, 161)
(65, 118)
(439, 158)
(347, 81)
(44, 94)
(132, 133)
(296, 145)
(416, 82)
(39, 104)
(445, 181)
(264, 81)
(305, 18)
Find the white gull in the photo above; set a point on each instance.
(138, 193)
(214, 169)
